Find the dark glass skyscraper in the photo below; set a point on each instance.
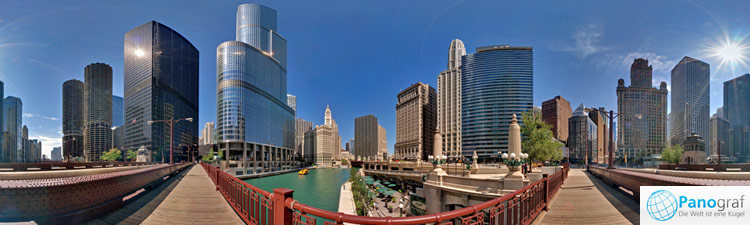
(72, 118)
(736, 108)
(12, 132)
(161, 82)
(496, 82)
(582, 137)
(118, 112)
(252, 110)
(97, 110)
(4, 155)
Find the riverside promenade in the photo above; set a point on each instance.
(346, 199)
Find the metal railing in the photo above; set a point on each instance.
(25, 200)
(252, 204)
(19, 167)
(256, 206)
(634, 180)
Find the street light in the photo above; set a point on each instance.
(69, 147)
(171, 123)
(612, 115)
(718, 152)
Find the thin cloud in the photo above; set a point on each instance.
(620, 63)
(587, 40)
(29, 115)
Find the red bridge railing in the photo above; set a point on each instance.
(20, 167)
(256, 206)
(70, 199)
(252, 204)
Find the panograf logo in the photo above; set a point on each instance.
(662, 205)
(694, 205)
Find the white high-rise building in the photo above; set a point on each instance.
(291, 100)
(300, 128)
(449, 101)
(382, 143)
(327, 141)
(207, 136)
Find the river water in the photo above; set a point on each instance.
(320, 188)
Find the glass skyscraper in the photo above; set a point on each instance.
(161, 82)
(690, 100)
(582, 137)
(736, 107)
(496, 82)
(72, 118)
(13, 131)
(252, 110)
(118, 112)
(4, 154)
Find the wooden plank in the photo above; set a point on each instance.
(194, 201)
(584, 199)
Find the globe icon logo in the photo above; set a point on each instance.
(661, 205)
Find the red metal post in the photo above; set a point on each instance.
(281, 215)
(171, 126)
(545, 177)
(611, 130)
(718, 168)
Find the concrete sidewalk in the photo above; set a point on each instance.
(346, 200)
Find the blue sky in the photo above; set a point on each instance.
(357, 55)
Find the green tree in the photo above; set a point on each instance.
(132, 155)
(672, 154)
(210, 156)
(112, 155)
(359, 192)
(538, 140)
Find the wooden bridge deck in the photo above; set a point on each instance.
(188, 198)
(585, 199)
(194, 201)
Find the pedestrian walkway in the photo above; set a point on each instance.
(194, 201)
(346, 201)
(584, 199)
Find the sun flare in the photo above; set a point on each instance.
(731, 53)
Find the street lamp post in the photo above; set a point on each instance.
(67, 144)
(718, 152)
(612, 115)
(171, 123)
